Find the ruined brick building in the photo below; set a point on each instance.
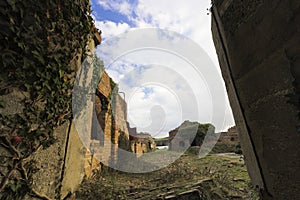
(114, 131)
(229, 136)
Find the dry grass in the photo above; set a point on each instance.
(215, 176)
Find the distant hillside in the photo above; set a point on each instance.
(188, 134)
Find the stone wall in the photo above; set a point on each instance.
(142, 143)
(110, 122)
(42, 44)
(47, 176)
(228, 142)
(78, 160)
(59, 169)
(229, 137)
(120, 110)
(257, 44)
(76, 163)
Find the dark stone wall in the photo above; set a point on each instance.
(259, 53)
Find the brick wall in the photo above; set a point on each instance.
(104, 86)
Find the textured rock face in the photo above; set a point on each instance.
(258, 48)
(13, 102)
(49, 164)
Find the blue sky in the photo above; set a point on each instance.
(102, 14)
(152, 92)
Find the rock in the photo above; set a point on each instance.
(13, 102)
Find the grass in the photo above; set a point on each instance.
(222, 176)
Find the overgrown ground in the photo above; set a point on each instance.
(219, 176)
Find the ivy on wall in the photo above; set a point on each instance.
(39, 39)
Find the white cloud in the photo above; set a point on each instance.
(185, 17)
(110, 28)
(188, 18)
(154, 112)
(158, 103)
(120, 6)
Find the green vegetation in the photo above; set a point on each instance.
(161, 139)
(194, 132)
(201, 127)
(223, 177)
(40, 42)
(224, 148)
